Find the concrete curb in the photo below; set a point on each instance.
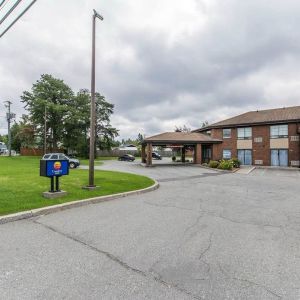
(245, 171)
(59, 207)
(292, 169)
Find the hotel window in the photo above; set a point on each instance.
(279, 131)
(245, 133)
(227, 154)
(226, 133)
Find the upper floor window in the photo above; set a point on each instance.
(226, 133)
(244, 133)
(279, 131)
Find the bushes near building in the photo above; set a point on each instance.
(213, 164)
(225, 164)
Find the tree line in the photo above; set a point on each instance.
(61, 117)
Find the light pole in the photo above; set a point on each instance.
(93, 105)
(45, 130)
(9, 117)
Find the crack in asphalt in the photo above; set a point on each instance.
(123, 264)
(250, 282)
(193, 225)
(212, 214)
(168, 206)
(207, 248)
(190, 177)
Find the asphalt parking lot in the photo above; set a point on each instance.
(201, 235)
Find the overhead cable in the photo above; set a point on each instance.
(10, 11)
(5, 3)
(20, 15)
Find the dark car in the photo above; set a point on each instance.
(155, 155)
(126, 157)
(73, 163)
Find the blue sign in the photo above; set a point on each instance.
(57, 168)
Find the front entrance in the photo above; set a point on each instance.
(206, 153)
(279, 158)
(245, 157)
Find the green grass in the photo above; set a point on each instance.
(21, 186)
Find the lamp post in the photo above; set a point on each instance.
(9, 117)
(93, 105)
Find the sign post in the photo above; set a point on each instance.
(51, 169)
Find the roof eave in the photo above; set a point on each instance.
(246, 124)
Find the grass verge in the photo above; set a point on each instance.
(21, 186)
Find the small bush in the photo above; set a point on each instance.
(225, 165)
(213, 164)
(173, 158)
(235, 163)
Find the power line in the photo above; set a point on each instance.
(4, 4)
(20, 15)
(10, 11)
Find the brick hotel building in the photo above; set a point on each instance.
(267, 137)
(262, 138)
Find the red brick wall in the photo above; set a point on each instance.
(228, 144)
(37, 152)
(294, 146)
(261, 150)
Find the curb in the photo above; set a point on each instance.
(59, 207)
(246, 171)
(292, 169)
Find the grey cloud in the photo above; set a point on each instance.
(218, 70)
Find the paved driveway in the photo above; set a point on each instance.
(202, 235)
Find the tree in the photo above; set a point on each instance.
(77, 124)
(52, 98)
(182, 129)
(105, 133)
(22, 134)
(140, 138)
(67, 116)
(204, 124)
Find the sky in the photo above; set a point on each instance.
(162, 63)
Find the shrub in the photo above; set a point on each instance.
(225, 165)
(213, 164)
(173, 158)
(235, 163)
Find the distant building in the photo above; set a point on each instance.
(129, 147)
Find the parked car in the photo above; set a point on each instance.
(73, 163)
(155, 155)
(126, 157)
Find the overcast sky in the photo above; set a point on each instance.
(163, 63)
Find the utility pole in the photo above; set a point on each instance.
(93, 106)
(9, 117)
(45, 130)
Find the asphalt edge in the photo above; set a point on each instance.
(59, 207)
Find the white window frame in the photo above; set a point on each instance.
(243, 133)
(228, 130)
(279, 131)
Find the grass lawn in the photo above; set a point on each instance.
(21, 186)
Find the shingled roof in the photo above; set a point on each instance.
(269, 116)
(180, 138)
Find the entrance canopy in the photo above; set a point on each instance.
(171, 139)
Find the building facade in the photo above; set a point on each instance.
(261, 138)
